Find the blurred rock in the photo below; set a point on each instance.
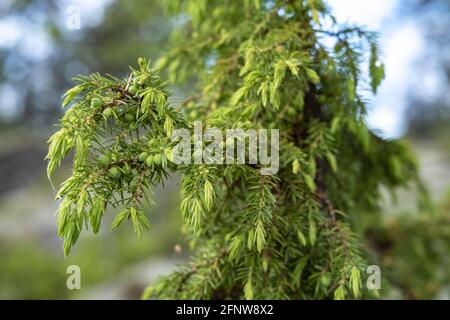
(18, 168)
(130, 283)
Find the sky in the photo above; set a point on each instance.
(402, 45)
(401, 42)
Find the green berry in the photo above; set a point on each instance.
(193, 114)
(149, 161)
(126, 169)
(129, 117)
(141, 62)
(108, 112)
(143, 156)
(291, 111)
(104, 159)
(96, 103)
(133, 90)
(157, 159)
(114, 172)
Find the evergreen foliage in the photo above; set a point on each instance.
(300, 234)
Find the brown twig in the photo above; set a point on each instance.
(328, 205)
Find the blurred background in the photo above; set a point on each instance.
(43, 44)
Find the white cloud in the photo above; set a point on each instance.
(10, 32)
(367, 12)
(401, 43)
(9, 102)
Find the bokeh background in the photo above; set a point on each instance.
(41, 49)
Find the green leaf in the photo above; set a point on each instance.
(351, 89)
(139, 221)
(312, 231)
(71, 94)
(209, 195)
(355, 281)
(148, 293)
(148, 97)
(293, 66)
(63, 216)
(301, 237)
(332, 161)
(235, 247)
(265, 263)
(120, 217)
(312, 76)
(279, 74)
(248, 290)
(143, 220)
(376, 69)
(339, 293)
(335, 124)
(250, 239)
(297, 273)
(264, 92)
(310, 182)
(315, 14)
(238, 96)
(81, 202)
(97, 213)
(260, 236)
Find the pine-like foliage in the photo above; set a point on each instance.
(257, 64)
